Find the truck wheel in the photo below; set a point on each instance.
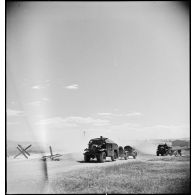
(102, 157)
(115, 155)
(135, 155)
(112, 158)
(86, 158)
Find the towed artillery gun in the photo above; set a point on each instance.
(122, 153)
(126, 152)
(175, 152)
(100, 148)
(130, 151)
(164, 150)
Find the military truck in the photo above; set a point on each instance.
(163, 150)
(100, 148)
(130, 151)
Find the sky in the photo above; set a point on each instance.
(79, 70)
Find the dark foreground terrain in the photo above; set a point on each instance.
(146, 174)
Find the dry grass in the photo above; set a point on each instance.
(171, 158)
(148, 177)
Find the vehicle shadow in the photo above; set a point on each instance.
(93, 161)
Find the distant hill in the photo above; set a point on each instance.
(181, 143)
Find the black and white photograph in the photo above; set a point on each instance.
(98, 97)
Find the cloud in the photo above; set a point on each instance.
(36, 87)
(105, 114)
(56, 122)
(134, 114)
(11, 112)
(108, 114)
(72, 87)
(38, 102)
(73, 121)
(87, 120)
(42, 85)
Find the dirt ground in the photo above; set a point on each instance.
(30, 175)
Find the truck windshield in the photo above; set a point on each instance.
(97, 142)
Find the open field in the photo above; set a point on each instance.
(146, 174)
(131, 177)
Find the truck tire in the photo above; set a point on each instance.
(135, 155)
(102, 157)
(112, 158)
(115, 155)
(86, 158)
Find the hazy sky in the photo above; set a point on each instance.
(117, 69)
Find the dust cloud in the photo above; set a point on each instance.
(146, 147)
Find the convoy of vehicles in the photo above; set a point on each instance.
(102, 147)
